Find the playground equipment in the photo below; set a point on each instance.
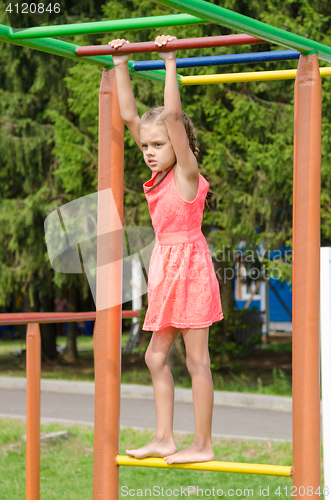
(306, 242)
(194, 62)
(325, 358)
(181, 44)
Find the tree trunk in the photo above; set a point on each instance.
(225, 275)
(29, 307)
(70, 354)
(177, 358)
(48, 331)
(144, 334)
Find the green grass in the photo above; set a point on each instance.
(6, 346)
(280, 385)
(279, 347)
(275, 383)
(84, 343)
(67, 466)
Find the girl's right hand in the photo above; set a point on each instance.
(123, 58)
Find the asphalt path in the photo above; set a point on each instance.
(139, 413)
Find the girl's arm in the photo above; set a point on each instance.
(186, 161)
(126, 99)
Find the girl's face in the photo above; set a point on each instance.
(157, 148)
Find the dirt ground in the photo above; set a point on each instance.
(264, 361)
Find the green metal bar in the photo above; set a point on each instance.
(239, 22)
(106, 26)
(65, 49)
(53, 46)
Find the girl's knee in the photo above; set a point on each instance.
(195, 366)
(148, 357)
(154, 361)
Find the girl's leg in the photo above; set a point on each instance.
(156, 359)
(198, 364)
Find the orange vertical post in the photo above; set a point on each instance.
(33, 361)
(108, 327)
(306, 278)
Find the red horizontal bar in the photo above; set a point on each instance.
(184, 43)
(49, 317)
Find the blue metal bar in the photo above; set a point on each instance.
(188, 62)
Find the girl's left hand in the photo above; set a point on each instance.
(162, 40)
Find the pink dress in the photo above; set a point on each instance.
(183, 290)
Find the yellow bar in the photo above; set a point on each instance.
(270, 470)
(255, 76)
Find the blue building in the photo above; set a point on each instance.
(273, 296)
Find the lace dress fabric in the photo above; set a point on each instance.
(183, 290)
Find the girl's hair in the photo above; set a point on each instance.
(156, 115)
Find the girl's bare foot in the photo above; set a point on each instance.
(155, 448)
(193, 453)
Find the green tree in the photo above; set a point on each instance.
(31, 88)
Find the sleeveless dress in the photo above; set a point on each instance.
(183, 290)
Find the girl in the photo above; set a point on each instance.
(183, 291)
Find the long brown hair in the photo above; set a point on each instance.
(208, 205)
